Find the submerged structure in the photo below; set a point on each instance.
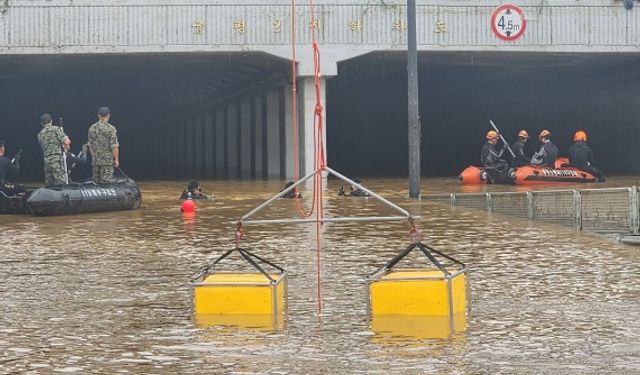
(203, 89)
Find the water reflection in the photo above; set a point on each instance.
(418, 327)
(263, 322)
(109, 292)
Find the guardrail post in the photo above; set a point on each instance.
(577, 207)
(489, 209)
(633, 210)
(530, 212)
(453, 200)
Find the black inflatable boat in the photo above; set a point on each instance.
(122, 194)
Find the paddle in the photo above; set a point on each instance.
(64, 159)
(122, 172)
(16, 156)
(502, 138)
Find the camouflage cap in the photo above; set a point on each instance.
(45, 119)
(104, 111)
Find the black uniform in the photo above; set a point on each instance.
(497, 168)
(490, 157)
(521, 158)
(7, 166)
(547, 155)
(291, 193)
(353, 192)
(194, 195)
(581, 156)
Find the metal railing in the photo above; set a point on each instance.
(614, 210)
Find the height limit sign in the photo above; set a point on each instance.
(508, 22)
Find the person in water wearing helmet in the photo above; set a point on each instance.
(193, 191)
(293, 193)
(354, 191)
(518, 149)
(581, 156)
(496, 167)
(548, 152)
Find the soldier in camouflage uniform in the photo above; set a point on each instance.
(53, 141)
(103, 145)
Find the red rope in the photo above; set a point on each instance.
(294, 122)
(414, 233)
(239, 232)
(317, 205)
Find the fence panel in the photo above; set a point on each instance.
(440, 198)
(556, 206)
(478, 201)
(514, 204)
(615, 210)
(607, 210)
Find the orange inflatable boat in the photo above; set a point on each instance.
(527, 175)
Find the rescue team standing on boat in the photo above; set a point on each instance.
(53, 142)
(104, 148)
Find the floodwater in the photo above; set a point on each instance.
(109, 293)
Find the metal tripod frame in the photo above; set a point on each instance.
(245, 220)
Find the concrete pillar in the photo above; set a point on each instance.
(273, 134)
(288, 133)
(245, 139)
(220, 125)
(307, 112)
(209, 146)
(232, 141)
(257, 137)
(198, 146)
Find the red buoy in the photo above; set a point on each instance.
(188, 206)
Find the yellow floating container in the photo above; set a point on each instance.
(239, 294)
(419, 293)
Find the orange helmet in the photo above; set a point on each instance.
(544, 133)
(523, 133)
(580, 136)
(491, 134)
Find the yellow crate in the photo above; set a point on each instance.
(418, 292)
(240, 294)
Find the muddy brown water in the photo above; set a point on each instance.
(109, 293)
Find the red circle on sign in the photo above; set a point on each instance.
(506, 9)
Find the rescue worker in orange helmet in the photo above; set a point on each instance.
(518, 149)
(548, 152)
(490, 158)
(581, 156)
